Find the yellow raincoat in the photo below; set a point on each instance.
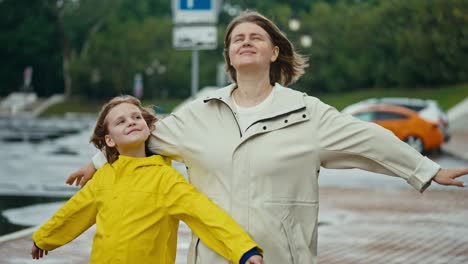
(136, 204)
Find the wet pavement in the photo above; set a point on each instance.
(356, 226)
(385, 222)
(393, 226)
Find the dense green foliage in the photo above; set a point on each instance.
(29, 38)
(447, 96)
(101, 45)
(78, 105)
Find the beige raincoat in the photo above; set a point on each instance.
(267, 177)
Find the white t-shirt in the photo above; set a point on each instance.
(247, 115)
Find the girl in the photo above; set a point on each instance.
(137, 201)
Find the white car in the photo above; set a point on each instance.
(427, 109)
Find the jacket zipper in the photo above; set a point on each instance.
(260, 120)
(233, 114)
(276, 116)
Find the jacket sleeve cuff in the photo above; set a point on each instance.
(421, 177)
(37, 246)
(248, 254)
(37, 240)
(99, 160)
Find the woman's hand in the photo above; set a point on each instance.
(37, 253)
(81, 176)
(448, 176)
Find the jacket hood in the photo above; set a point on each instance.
(125, 161)
(284, 102)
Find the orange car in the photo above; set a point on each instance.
(406, 124)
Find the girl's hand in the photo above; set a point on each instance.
(256, 259)
(37, 253)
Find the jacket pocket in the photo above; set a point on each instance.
(297, 223)
(202, 254)
(289, 237)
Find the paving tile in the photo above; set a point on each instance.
(365, 226)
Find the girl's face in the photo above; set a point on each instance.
(126, 127)
(250, 45)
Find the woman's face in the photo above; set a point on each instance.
(251, 47)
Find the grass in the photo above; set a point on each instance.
(165, 105)
(74, 105)
(447, 96)
(83, 105)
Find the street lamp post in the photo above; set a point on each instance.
(156, 69)
(294, 24)
(195, 70)
(305, 39)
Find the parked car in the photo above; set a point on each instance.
(406, 124)
(427, 109)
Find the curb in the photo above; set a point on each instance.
(18, 234)
(457, 146)
(457, 155)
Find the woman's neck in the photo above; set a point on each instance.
(251, 91)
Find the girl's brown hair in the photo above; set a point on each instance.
(289, 65)
(101, 130)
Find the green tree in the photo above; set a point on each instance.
(134, 40)
(99, 46)
(29, 38)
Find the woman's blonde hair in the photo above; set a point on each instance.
(101, 129)
(289, 65)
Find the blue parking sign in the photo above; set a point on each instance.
(195, 4)
(195, 11)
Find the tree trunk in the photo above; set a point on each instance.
(66, 55)
(67, 79)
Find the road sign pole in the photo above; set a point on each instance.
(195, 72)
(195, 28)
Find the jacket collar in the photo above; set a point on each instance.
(285, 101)
(133, 163)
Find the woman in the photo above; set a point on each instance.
(256, 147)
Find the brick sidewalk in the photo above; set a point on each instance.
(356, 226)
(376, 226)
